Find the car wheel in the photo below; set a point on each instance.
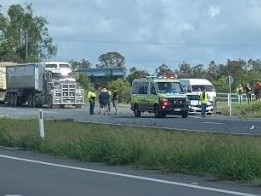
(184, 114)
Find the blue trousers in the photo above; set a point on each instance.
(240, 98)
(203, 109)
(92, 105)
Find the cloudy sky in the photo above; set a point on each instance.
(149, 33)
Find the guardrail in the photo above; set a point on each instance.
(224, 97)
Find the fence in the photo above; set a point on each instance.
(224, 97)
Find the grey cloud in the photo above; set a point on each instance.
(149, 33)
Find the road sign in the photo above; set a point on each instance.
(229, 80)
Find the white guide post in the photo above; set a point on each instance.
(41, 123)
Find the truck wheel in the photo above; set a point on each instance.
(9, 100)
(34, 102)
(15, 100)
(50, 102)
(136, 111)
(30, 101)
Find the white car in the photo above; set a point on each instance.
(195, 106)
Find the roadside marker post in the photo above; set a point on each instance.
(41, 123)
(230, 80)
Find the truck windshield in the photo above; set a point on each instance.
(169, 87)
(61, 76)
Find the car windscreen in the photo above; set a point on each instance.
(209, 88)
(169, 87)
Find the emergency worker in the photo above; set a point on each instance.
(203, 98)
(91, 97)
(104, 100)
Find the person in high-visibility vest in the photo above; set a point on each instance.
(203, 98)
(91, 97)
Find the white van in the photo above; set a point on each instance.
(194, 85)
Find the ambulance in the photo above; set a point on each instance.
(159, 95)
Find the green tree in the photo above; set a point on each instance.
(123, 88)
(83, 80)
(184, 70)
(79, 65)
(214, 71)
(221, 84)
(25, 37)
(136, 74)
(111, 59)
(164, 70)
(198, 72)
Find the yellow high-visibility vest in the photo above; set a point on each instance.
(91, 94)
(203, 99)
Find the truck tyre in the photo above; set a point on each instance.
(9, 100)
(15, 100)
(34, 101)
(30, 101)
(50, 102)
(136, 111)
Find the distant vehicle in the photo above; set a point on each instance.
(36, 85)
(195, 106)
(194, 85)
(160, 96)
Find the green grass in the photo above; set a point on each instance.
(252, 110)
(224, 156)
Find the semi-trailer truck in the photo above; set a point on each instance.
(36, 84)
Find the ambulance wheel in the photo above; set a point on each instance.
(157, 112)
(137, 113)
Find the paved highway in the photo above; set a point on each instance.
(213, 123)
(30, 174)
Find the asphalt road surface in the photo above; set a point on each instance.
(29, 174)
(25, 173)
(214, 123)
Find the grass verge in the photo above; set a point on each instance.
(225, 156)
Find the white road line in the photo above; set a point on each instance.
(13, 195)
(130, 176)
(214, 123)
